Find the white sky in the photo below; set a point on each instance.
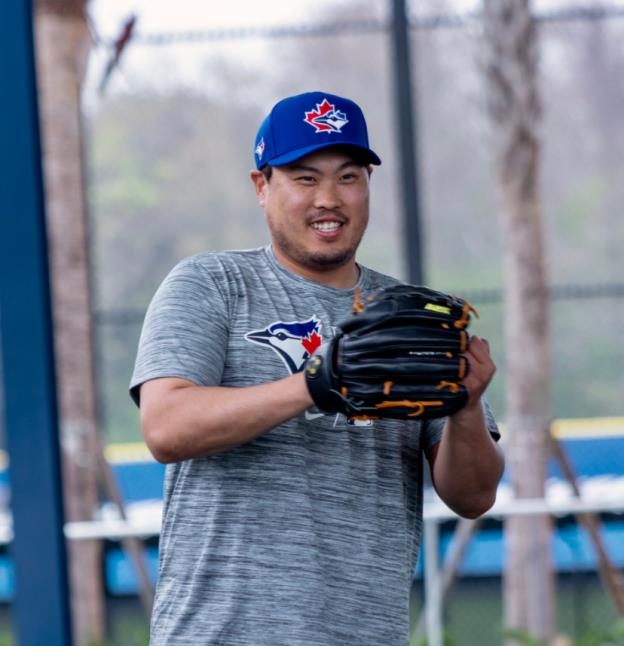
(182, 15)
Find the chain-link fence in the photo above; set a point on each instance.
(458, 589)
(169, 154)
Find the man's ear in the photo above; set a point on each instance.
(260, 183)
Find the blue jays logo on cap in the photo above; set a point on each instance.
(300, 125)
(326, 118)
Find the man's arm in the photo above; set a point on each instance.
(467, 464)
(181, 420)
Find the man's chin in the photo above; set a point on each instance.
(329, 262)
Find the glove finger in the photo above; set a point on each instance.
(438, 368)
(402, 341)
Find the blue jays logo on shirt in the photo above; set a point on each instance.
(293, 342)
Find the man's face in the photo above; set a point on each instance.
(317, 211)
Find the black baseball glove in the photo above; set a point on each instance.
(398, 356)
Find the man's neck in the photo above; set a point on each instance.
(343, 277)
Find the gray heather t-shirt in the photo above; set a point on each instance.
(307, 536)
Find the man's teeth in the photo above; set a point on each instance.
(326, 227)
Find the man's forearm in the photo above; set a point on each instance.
(468, 463)
(180, 420)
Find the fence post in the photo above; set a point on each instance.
(406, 131)
(433, 584)
(41, 609)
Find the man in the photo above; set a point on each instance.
(284, 525)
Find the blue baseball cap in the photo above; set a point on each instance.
(302, 124)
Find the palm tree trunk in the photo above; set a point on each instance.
(63, 42)
(510, 68)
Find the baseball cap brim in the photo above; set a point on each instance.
(365, 154)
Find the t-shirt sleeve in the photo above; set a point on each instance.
(185, 329)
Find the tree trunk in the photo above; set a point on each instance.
(63, 41)
(510, 68)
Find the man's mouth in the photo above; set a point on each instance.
(326, 227)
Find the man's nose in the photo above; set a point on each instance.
(327, 196)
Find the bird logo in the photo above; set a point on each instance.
(293, 342)
(326, 118)
(260, 148)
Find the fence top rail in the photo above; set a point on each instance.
(434, 512)
(437, 511)
(149, 525)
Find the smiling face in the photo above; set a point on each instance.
(317, 212)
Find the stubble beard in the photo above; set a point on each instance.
(315, 261)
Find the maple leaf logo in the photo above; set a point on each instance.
(311, 342)
(326, 118)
